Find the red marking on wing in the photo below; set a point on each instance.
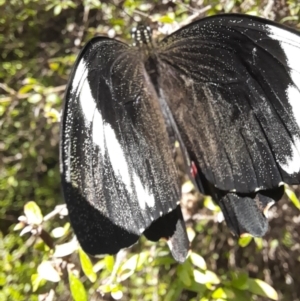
(194, 170)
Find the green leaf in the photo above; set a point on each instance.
(52, 98)
(229, 5)
(183, 273)
(197, 287)
(240, 281)
(33, 213)
(54, 66)
(209, 204)
(131, 263)
(239, 295)
(34, 98)
(167, 19)
(198, 261)
(105, 288)
(187, 187)
(57, 10)
(35, 282)
(258, 242)
(174, 291)
(134, 263)
(65, 249)
(206, 277)
(223, 293)
(77, 289)
(109, 262)
(259, 287)
(199, 277)
(165, 261)
(26, 89)
(211, 277)
(191, 233)
(252, 12)
(47, 271)
(87, 266)
(52, 115)
(29, 81)
(58, 232)
(244, 241)
(292, 196)
(117, 293)
(274, 244)
(100, 265)
(19, 226)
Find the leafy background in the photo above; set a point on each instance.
(39, 42)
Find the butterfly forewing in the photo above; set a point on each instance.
(117, 164)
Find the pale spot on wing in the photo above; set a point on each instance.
(293, 96)
(105, 137)
(290, 44)
(292, 163)
(254, 54)
(98, 131)
(258, 189)
(144, 196)
(87, 102)
(150, 200)
(291, 49)
(77, 90)
(81, 87)
(81, 72)
(139, 191)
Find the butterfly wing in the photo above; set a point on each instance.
(118, 174)
(232, 83)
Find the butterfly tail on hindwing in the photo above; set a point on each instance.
(244, 213)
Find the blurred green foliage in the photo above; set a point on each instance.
(39, 41)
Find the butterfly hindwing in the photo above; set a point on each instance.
(117, 166)
(232, 83)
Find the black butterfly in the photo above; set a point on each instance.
(226, 87)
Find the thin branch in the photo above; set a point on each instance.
(17, 95)
(196, 15)
(8, 89)
(57, 210)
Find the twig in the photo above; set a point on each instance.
(119, 258)
(85, 18)
(17, 95)
(57, 210)
(8, 89)
(195, 16)
(268, 8)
